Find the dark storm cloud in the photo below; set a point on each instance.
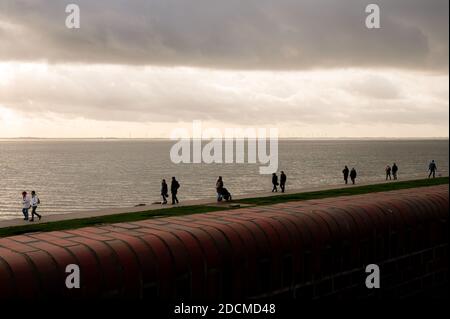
(251, 34)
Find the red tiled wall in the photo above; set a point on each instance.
(309, 249)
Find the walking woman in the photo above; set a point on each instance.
(25, 205)
(164, 191)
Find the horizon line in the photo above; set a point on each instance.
(281, 138)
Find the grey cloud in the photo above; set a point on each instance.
(251, 34)
(108, 93)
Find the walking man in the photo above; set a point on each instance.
(274, 182)
(394, 171)
(353, 175)
(26, 203)
(432, 168)
(35, 201)
(283, 179)
(346, 171)
(174, 186)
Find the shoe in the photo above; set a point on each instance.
(40, 217)
(31, 220)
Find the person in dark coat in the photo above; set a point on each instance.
(219, 188)
(164, 191)
(394, 171)
(283, 179)
(274, 182)
(388, 172)
(174, 186)
(432, 168)
(346, 171)
(353, 175)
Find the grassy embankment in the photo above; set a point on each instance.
(189, 210)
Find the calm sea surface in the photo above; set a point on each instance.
(80, 175)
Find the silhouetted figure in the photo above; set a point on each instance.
(388, 170)
(174, 186)
(225, 194)
(432, 168)
(353, 175)
(346, 171)
(219, 188)
(274, 182)
(35, 201)
(283, 179)
(222, 192)
(164, 191)
(26, 204)
(394, 171)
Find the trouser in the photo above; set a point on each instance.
(174, 198)
(394, 175)
(274, 189)
(346, 179)
(353, 180)
(164, 196)
(25, 213)
(33, 212)
(282, 187)
(433, 172)
(388, 175)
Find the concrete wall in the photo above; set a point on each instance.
(305, 250)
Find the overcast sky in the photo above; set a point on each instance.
(144, 67)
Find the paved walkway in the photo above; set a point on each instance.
(208, 202)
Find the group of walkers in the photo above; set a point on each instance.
(391, 172)
(174, 186)
(222, 193)
(282, 183)
(30, 203)
(352, 173)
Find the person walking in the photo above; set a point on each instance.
(174, 186)
(388, 170)
(274, 182)
(26, 204)
(394, 171)
(345, 172)
(35, 201)
(283, 179)
(353, 175)
(432, 167)
(164, 191)
(219, 188)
